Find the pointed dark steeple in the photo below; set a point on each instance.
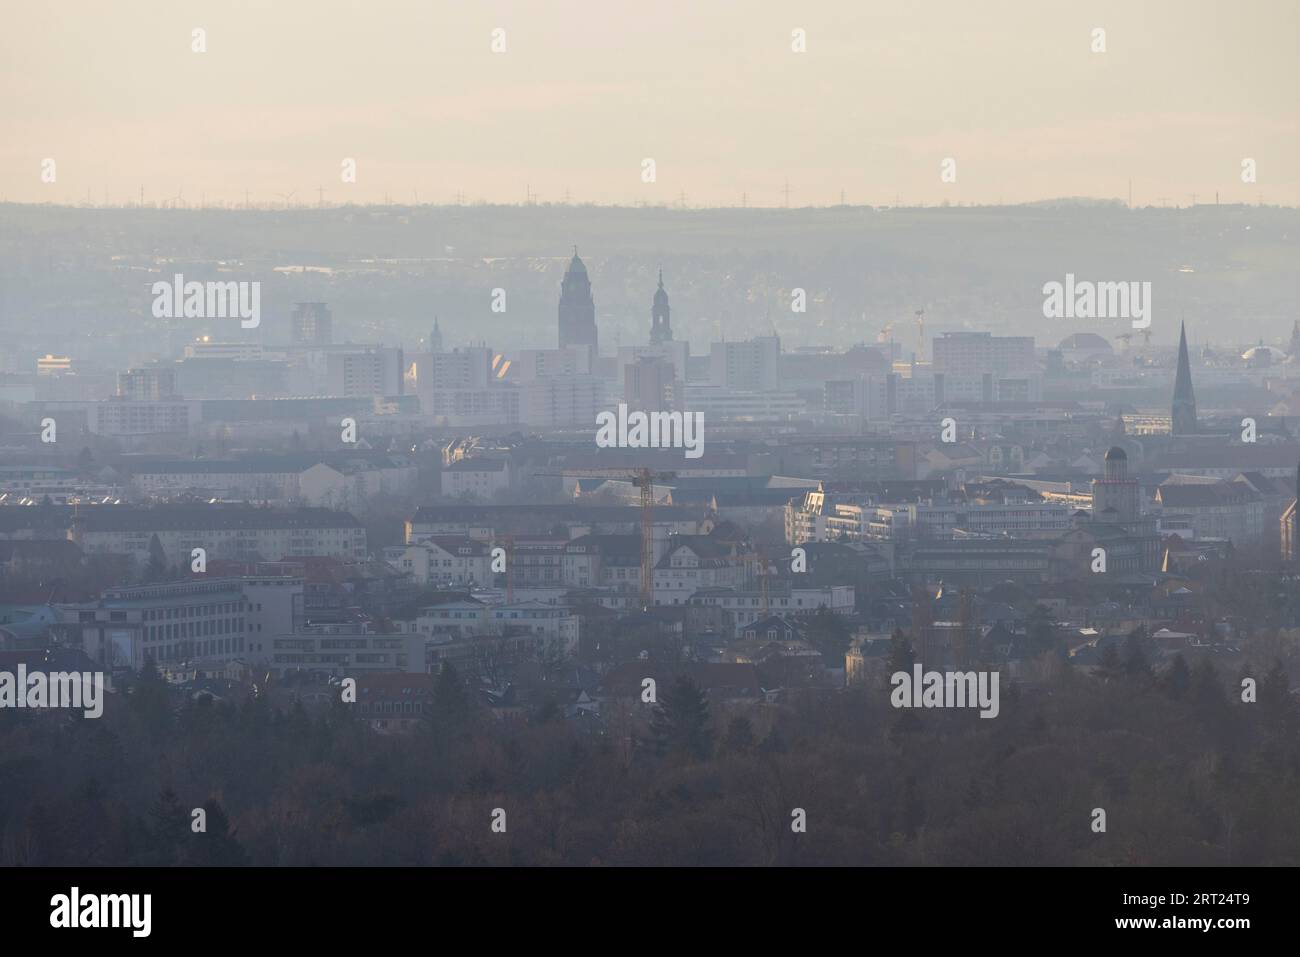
(1184, 410)
(661, 329)
(577, 312)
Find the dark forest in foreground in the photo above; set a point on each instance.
(1186, 773)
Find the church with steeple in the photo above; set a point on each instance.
(1184, 408)
(1117, 523)
(577, 311)
(661, 329)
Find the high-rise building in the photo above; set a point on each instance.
(577, 310)
(463, 368)
(205, 348)
(540, 363)
(650, 385)
(124, 418)
(311, 324)
(751, 365)
(560, 401)
(975, 353)
(365, 370)
(147, 385)
(1184, 410)
(462, 387)
(435, 337)
(661, 329)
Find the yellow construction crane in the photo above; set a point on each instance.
(645, 479)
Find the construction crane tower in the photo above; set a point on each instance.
(645, 479)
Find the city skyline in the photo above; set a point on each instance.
(582, 436)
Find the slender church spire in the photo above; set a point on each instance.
(1184, 408)
(661, 329)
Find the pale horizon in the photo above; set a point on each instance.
(1182, 95)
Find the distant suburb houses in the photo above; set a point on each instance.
(327, 479)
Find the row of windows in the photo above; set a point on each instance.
(186, 649)
(739, 602)
(194, 629)
(393, 707)
(195, 611)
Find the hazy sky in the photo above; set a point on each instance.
(710, 90)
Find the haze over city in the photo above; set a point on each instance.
(714, 93)
(585, 438)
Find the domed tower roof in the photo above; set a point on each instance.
(577, 309)
(661, 329)
(1086, 340)
(1116, 454)
(1263, 354)
(661, 297)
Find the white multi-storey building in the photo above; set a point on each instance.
(222, 531)
(347, 649)
(478, 477)
(166, 623)
(696, 563)
(443, 560)
(975, 353)
(745, 606)
(748, 365)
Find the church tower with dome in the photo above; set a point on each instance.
(577, 311)
(1115, 496)
(661, 329)
(1118, 522)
